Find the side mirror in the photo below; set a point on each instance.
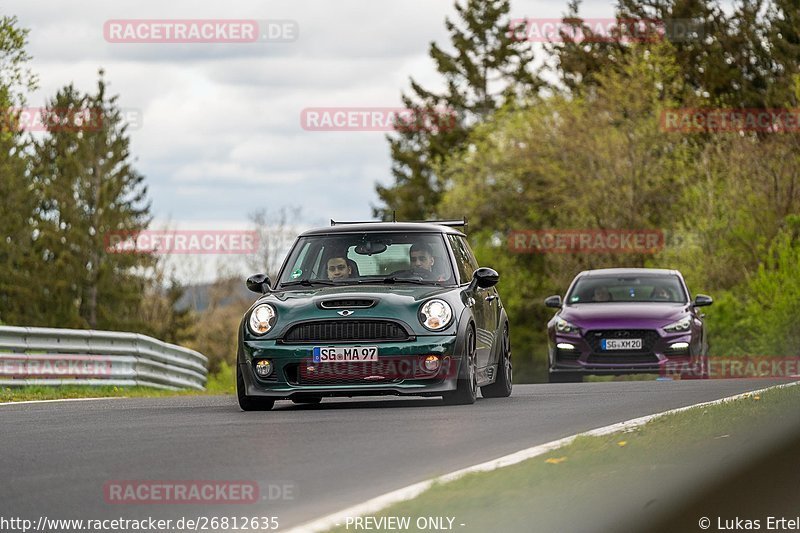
(702, 300)
(485, 278)
(259, 283)
(553, 301)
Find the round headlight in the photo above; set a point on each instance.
(262, 319)
(435, 314)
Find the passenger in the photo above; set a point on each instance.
(601, 294)
(338, 268)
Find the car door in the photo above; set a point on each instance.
(485, 307)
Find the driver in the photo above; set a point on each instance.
(421, 257)
(338, 268)
(660, 293)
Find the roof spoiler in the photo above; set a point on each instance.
(450, 223)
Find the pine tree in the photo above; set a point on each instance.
(489, 67)
(743, 59)
(89, 190)
(18, 261)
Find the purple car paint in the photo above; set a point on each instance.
(625, 321)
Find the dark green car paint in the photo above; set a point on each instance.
(479, 309)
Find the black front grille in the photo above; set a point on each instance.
(346, 331)
(622, 359)
(567, 355)
(595, 337)
(349, 303)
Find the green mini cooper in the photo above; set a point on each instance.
(363, 309)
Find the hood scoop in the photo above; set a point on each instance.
(347, 303)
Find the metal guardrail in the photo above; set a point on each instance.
(49, 356)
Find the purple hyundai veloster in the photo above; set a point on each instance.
(626, 321)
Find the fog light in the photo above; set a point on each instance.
(431, 363)
(263, 368)
(678, 345)
(565, 346)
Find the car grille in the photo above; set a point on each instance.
(385, 370)
(346, 331)
(567, 355)
(622, 359)
(648, 336)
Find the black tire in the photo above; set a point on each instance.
(467, 389)
(503, 382)
(565, 377)
(249, 403)
(309, 401)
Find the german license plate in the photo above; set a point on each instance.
(324, 354)
(621, 344)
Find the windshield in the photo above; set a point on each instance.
(361, 258)
(650, 288)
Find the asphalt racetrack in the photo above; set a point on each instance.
(308, 461)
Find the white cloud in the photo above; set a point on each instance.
(220, 133)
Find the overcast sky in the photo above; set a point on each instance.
(220, 132)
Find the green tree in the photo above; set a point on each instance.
(19, 273)
(487, 68)
(89, 190)
(747, 58)
(598, 160)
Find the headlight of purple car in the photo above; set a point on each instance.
(681, 325)
(562, 326)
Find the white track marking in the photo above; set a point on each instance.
(60, 400)
(379, 503)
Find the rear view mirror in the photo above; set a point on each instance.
(259, 283)
(485, 277)
(370, 248)
(553, 301)
(701, 300)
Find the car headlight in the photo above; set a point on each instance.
(681, 325)
(262, 319)
(562, 326)
(435, 314)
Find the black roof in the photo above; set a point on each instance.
(629, 272)
(382, 227)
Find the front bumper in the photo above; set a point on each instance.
(290, 378)
(657, 356)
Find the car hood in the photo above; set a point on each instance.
(384, 294)
(613, 315)
(397, 302)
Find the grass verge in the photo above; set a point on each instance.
(561, 482)
(221, 382)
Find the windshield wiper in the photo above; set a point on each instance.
(395, 279)
(308, 283)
